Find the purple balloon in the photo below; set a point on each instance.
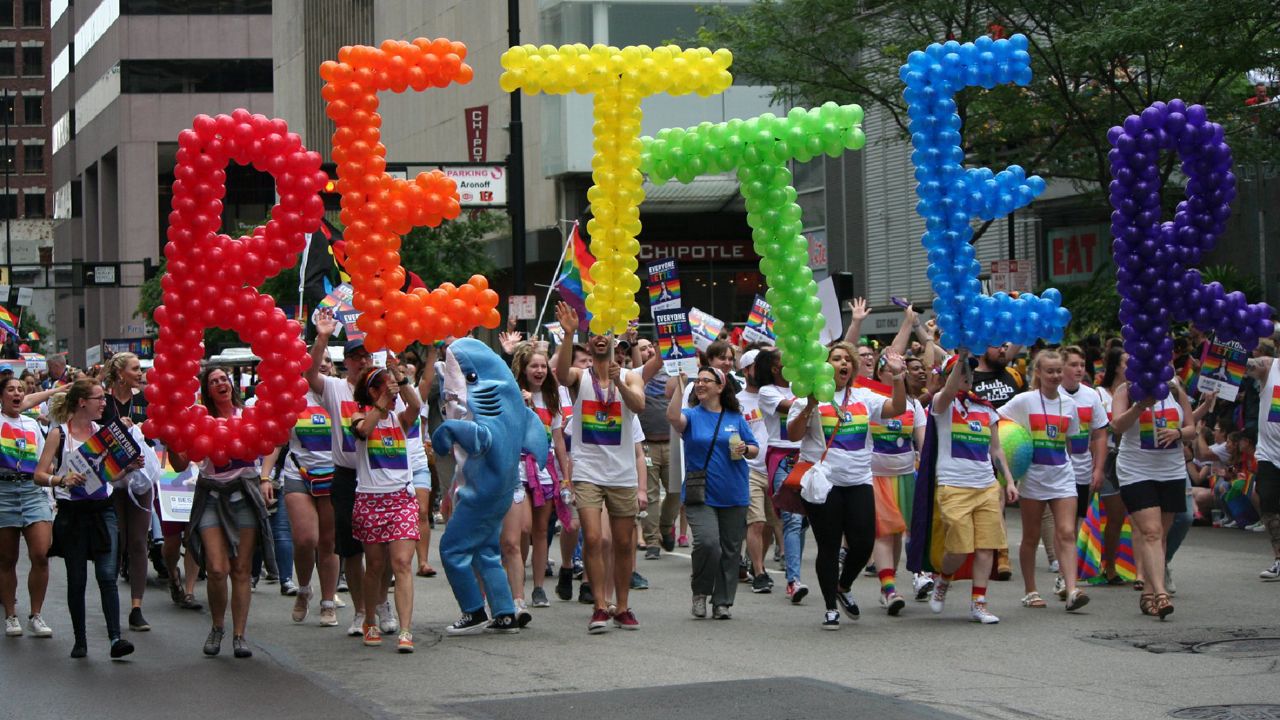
(1155, 261)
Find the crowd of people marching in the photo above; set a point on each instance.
(639, 462)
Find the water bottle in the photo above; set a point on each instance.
(735, 445)
(566, 495)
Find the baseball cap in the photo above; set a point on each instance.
(748, 358)
(352, 346)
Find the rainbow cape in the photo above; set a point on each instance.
(925, 541)
(1089, 547)
(574, 280)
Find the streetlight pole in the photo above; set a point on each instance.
(515, 165)
(8, 169)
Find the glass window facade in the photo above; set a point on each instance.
(33, 205)
(195, 7)
(195, 76)
(33, 159)
(32, 61)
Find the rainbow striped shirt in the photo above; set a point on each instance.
(348, 409)
(970, 436)
(18, 448)
(849, 425)
(1048, 438)
(314, 429)
(1080, 441)
(1153, 420)
(602, 422)
(386, 448)
(893, 436)
(1273, 414)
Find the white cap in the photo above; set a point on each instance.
(747, 359)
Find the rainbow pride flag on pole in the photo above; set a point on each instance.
(574, 281)
(1089, 547)
(8, 323)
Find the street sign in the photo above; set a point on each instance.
(1012, 275)
(101, 274)
(480, 185)
(524, 307)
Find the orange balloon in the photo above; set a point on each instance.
(378, 209)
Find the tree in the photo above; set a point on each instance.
(452, 252)
(1094, 62)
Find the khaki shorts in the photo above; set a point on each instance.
(619, 502)
(971, 518)
(761, 507)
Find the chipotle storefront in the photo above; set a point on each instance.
(719, 269)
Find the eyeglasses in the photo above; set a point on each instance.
(706, 381)
(97, 397)
(866, 354)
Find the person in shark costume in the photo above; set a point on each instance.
(490, 424)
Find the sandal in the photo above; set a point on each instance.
(1147, 603)
(1033, 600)
(426, 571)
(1076, 600)
(1139, 585)
(1115, 580)
(1163, 607)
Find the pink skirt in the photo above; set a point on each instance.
(385, 517)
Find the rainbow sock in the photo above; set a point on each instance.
(886, 581)
(979, 593)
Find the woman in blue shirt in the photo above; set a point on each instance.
(717, 440)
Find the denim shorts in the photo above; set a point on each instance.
(22, 504)
(241, 512)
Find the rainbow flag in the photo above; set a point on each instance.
(8, 322)
(1089, 547)
(574, 281)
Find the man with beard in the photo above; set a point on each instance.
(606, 399)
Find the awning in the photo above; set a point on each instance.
(709, 193)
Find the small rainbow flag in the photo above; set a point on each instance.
(1089, 547)
(574, 281)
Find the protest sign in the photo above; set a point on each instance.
(675, 342)
(759, 323)
(664, 286)
(1222, 370)
(103, 457)
(706, 328)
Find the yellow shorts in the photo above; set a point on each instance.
(970, 518)
(619, 502)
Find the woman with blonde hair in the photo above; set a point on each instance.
(85, 526)
(1050, 416)
(125, 402)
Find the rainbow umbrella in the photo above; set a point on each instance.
(1089, 547)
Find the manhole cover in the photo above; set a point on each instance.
(1229, 712)
(1241, 647)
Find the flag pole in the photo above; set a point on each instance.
(564, 251)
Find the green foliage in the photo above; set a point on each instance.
(1232, 278)
(1094, 305)
(1093, 62)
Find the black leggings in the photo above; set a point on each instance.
(849, 514)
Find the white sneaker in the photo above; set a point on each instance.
(1169, 587)
(1055, 567)
(12, 627)
(1271, 573)
(357, 626)
(39, 627)
(978, 613)
(923, 585)
(939, 596)
(328, 614)
(388, 623)
(699, 606)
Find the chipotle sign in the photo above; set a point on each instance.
(699, 250)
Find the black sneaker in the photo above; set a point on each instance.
(744, 572)
(850, 605)
(79, 650)
(240, 648)
(213, 643)
(669, 539)
(564, 587)
(762, 584)
(638, 581)
(653, 552)
(585, 596)
(551, 569)
(137, 622)
(831, 621)
(470, 623)
(342, 582)
(505, 624)
(120, 648)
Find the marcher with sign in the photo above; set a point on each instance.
(85, 527)
(126, 402)
(717, 443)
(24, 512)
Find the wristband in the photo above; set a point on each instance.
(403, 381)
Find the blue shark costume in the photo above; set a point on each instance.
(498, 427)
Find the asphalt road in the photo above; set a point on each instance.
(770, 661)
